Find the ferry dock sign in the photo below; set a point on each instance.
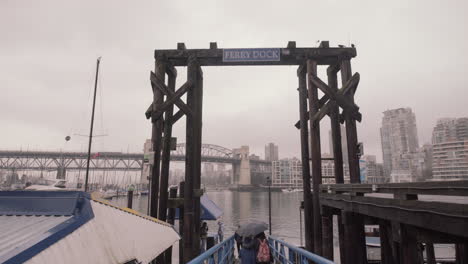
(239, 55)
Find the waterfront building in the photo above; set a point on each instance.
(450, 129)
(399, 142)
(450, 161)
(450, 149)
(287, 173)
(328, 170)
(271, 152)
(371, 171)
(344, 144)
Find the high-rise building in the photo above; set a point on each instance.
(450, 129)
(450, 149)
(344, 144)
(271, 152)
(399, 140)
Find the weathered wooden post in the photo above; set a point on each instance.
(130, 198)
(327, 236)
(430, 254)
(409, 246)
(170, 220)
(355, 224)
(308, 230)
(316, 155)
(166, 148)
(337, 149)
(386, 241)
(181, 221)
(160, 72)
(193, 162)
(461, 252)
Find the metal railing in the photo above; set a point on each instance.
(295, 254)
(220, 254)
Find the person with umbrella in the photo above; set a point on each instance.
(238, 240)
(252, 242)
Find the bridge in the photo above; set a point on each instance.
(119, 161)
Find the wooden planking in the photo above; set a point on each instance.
(289, 56)
(449, 188)
(442, 217)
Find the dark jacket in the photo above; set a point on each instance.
(204, 231)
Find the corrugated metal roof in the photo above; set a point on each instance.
(31, 221)
(39, 202)
(20, 232)
(69, 227)
(112, 236)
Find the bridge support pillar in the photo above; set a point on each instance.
(242, 171)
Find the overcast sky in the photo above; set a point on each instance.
(410, 54)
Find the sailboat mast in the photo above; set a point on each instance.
(92, 124)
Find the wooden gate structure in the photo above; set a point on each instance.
(311, 108)
(405, 222)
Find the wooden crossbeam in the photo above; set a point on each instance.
(172, 97)
(171, 100)
(354, 81)
(321, 102)
(177, 116)
(289, 56)
(149, 111)
(338, 96)
(324, 101)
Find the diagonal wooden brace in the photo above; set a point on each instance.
(350, 85)
(172, 97)
(176, 117)
(321, 102)
(338, 96)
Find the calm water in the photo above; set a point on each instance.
(244, 206)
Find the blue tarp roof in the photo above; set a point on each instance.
(31, 221)
(209, 210)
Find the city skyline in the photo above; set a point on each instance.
(41, 44)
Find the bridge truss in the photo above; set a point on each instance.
(110, 161)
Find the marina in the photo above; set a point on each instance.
(217, 132)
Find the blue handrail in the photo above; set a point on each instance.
(219, 254)
(295, 254)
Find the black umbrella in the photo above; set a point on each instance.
(252, 228)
